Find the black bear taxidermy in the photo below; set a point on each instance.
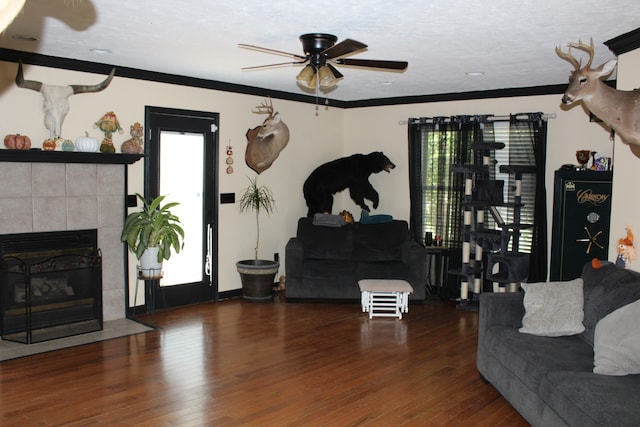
(348, 172)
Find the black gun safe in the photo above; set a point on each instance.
(581, 212)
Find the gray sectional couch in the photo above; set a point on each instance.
(550, 380)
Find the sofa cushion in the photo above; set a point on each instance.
(617, 342)
(606, 289)
(587, 400)
(322, 242)
(328, 268)
(553, 309)
(529, 357)
(380, 242)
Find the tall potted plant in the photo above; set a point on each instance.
(257, 275)
(152, 234)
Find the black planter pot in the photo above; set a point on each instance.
(257, 278)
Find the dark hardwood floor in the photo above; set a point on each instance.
(278, 364)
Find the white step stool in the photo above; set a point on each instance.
(385, 297)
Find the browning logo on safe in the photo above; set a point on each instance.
(588, 196)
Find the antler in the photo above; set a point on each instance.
(264, 108)
(580, 45)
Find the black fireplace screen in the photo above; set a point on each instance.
(50, 285)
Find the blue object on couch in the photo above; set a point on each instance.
(365, 218)
(550, 380)
(327, 262)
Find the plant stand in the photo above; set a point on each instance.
(151, 279)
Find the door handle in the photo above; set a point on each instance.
(208, 262)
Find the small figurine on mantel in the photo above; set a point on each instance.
(133, 145)
(108, 124)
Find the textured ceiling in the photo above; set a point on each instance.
(511, 42)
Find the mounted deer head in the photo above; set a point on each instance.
(267, 141)
(619, 110)
(56, 98)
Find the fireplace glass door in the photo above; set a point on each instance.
(50, 285)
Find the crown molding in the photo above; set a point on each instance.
(624, 43)
(134, 73)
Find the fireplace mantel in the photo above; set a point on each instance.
(41, 156)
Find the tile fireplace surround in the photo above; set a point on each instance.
(71, 196)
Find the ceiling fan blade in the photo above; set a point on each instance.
(345, 47)
(337, 74)
(259, 67)
(372, 63)
(267, 50)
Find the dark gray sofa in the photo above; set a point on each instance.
(550, 380)
(325, 262)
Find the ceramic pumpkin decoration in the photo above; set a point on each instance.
(67, 145)
(50, 144)
(87, 144)
(17, 142)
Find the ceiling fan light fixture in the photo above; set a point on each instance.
(320, 52)
(326, 78)
(307, 77)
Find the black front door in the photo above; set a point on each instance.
(180, 162)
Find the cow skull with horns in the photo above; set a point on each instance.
(56, 98)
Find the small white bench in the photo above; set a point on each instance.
(385, 297)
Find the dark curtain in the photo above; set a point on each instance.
(528, 139)
(436, 193)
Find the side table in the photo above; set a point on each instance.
(437, 268)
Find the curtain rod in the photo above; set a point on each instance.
(489, 118)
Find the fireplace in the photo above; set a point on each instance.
(50, 285)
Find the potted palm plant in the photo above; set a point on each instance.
(257, 275)
(152, 234)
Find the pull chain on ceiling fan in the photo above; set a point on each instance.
(320, 53)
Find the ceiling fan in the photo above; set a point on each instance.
(320, 53)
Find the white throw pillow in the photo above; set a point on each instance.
(553, 309)
(616, 344)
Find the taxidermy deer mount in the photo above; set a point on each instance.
(618, 109)
(265, 142)
(56, 98)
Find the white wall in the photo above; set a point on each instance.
(314, 140)
(626, 174)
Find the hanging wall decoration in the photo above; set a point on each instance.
(617, 109)
(265, 142)
(229, 160)
(56, 98)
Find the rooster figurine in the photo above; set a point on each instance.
(626, 249)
